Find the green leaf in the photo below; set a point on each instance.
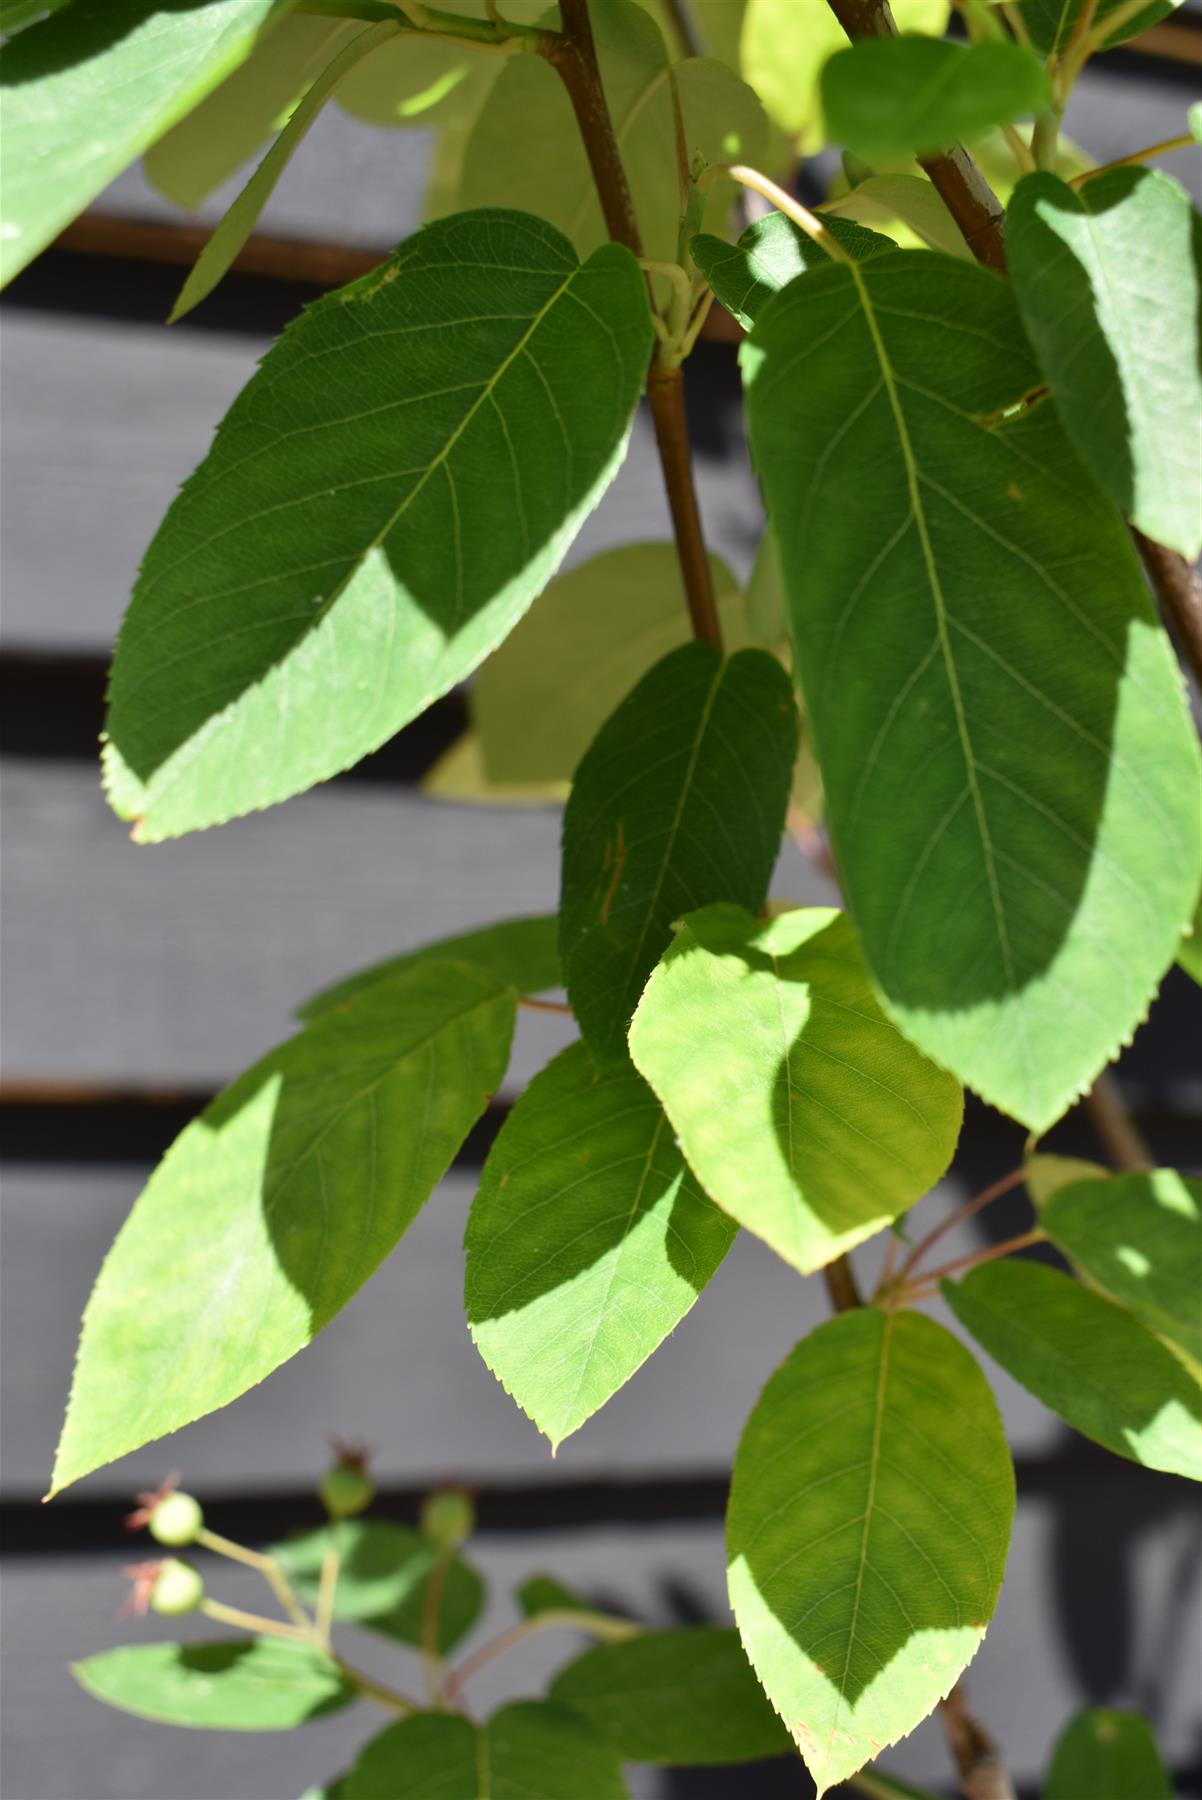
(88, 90)
(803, 1111)
(587, 1243)
(1087, 1359)
(543, 1593)
(339, 560)
(242, 217)
(237, 118)
(1043, 1175)
(889, 96)
(519, 953)
(1139, 1237)
(18, 15)
(1195, 121)
(543, 695)
(525, 148)
(272, 1209)
(1189, 951)
(251, 1684)
(686, 1697)
(770, 254)
(1051, 23)
(1107, 281)
(911, 201)
(869, 1517)
(528, 1751)
(680, 800)
(997, 714)
(1107, 1756)
(785, 43)
(382, 1580)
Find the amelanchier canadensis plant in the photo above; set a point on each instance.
(974, 408)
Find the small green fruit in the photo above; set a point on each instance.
(176, 1520)
(177, 1589)
(448, 1517)
(346, 1490)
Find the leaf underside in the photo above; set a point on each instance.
(249, 1684)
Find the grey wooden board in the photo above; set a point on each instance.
(62, 1745)
(104, 420)
(180, 963)
(397, 1368)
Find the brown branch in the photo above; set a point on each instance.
(1179, 592)
(974, 206)
(573, 55)
(841, 1285)
(1115, 1127)
(665, 394)
(982, 1773)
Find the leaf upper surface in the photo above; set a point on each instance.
(250, 1684)
(382, 1579)
(587, 1243)
(943, 562)
(382, 502)
(1087, 1359)
(528, 1751)
(869, 1518)
(805, 1113)
(1140, 1238)
(890, 96)
(87, 90)
(519, 953)
(680, 800)
(1108, 284)
(1109, 1756)
(272, 1209)
(683, 1697)
(770, 254)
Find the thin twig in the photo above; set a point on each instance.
(432, 1623)
(532, 1004)
(787, 203)
(327, 1587)
(982, 1773)
(1179, 592)
(374, 1690)
(957, 1217)
(573, 55)
(605, 1626)
(1186, 141)
(267, 1566)
(665, 396)
(1114, 1125)
(252, 1622)
(928, 1282)
(841, 1285)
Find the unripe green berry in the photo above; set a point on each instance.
(176, 1520)
(448, 1517)
(177, 1589)
(346, 1490)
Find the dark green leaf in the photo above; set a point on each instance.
(995, 709)
(1051, 23)
(1087, 1359)
(770, 253)
(1107, 1756)
(18, 15)
(518, 953)
(382, 1580)
(869, 1518)
(587, 1243)
(273, 1208)
(528, 1751)
(680, 800)
(543, 1593)
(1139, 1237)
(88, 90)
(341, 558)
(1108, 283)
(252, 1684)
(684, 1697)
(802, 1109)
(892, 96)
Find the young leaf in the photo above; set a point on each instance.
(525, 148)
(996, 712)
(238, 118)
(532, 1750)
(382, 1581)
(1139, 1237)
(519, 953)
(1087, 1359)
(543, 695)
(587, 1243)
(685, 1697)
(680, 800)
(785, 43)
(869, 1517)
(1109, 1756)
(89, 89)
(243, 215)
(272, 1209)
(804, 1112)
(892, 96)
(351, 548)
(770, 253)
(1108, 284)
(251, 1684)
